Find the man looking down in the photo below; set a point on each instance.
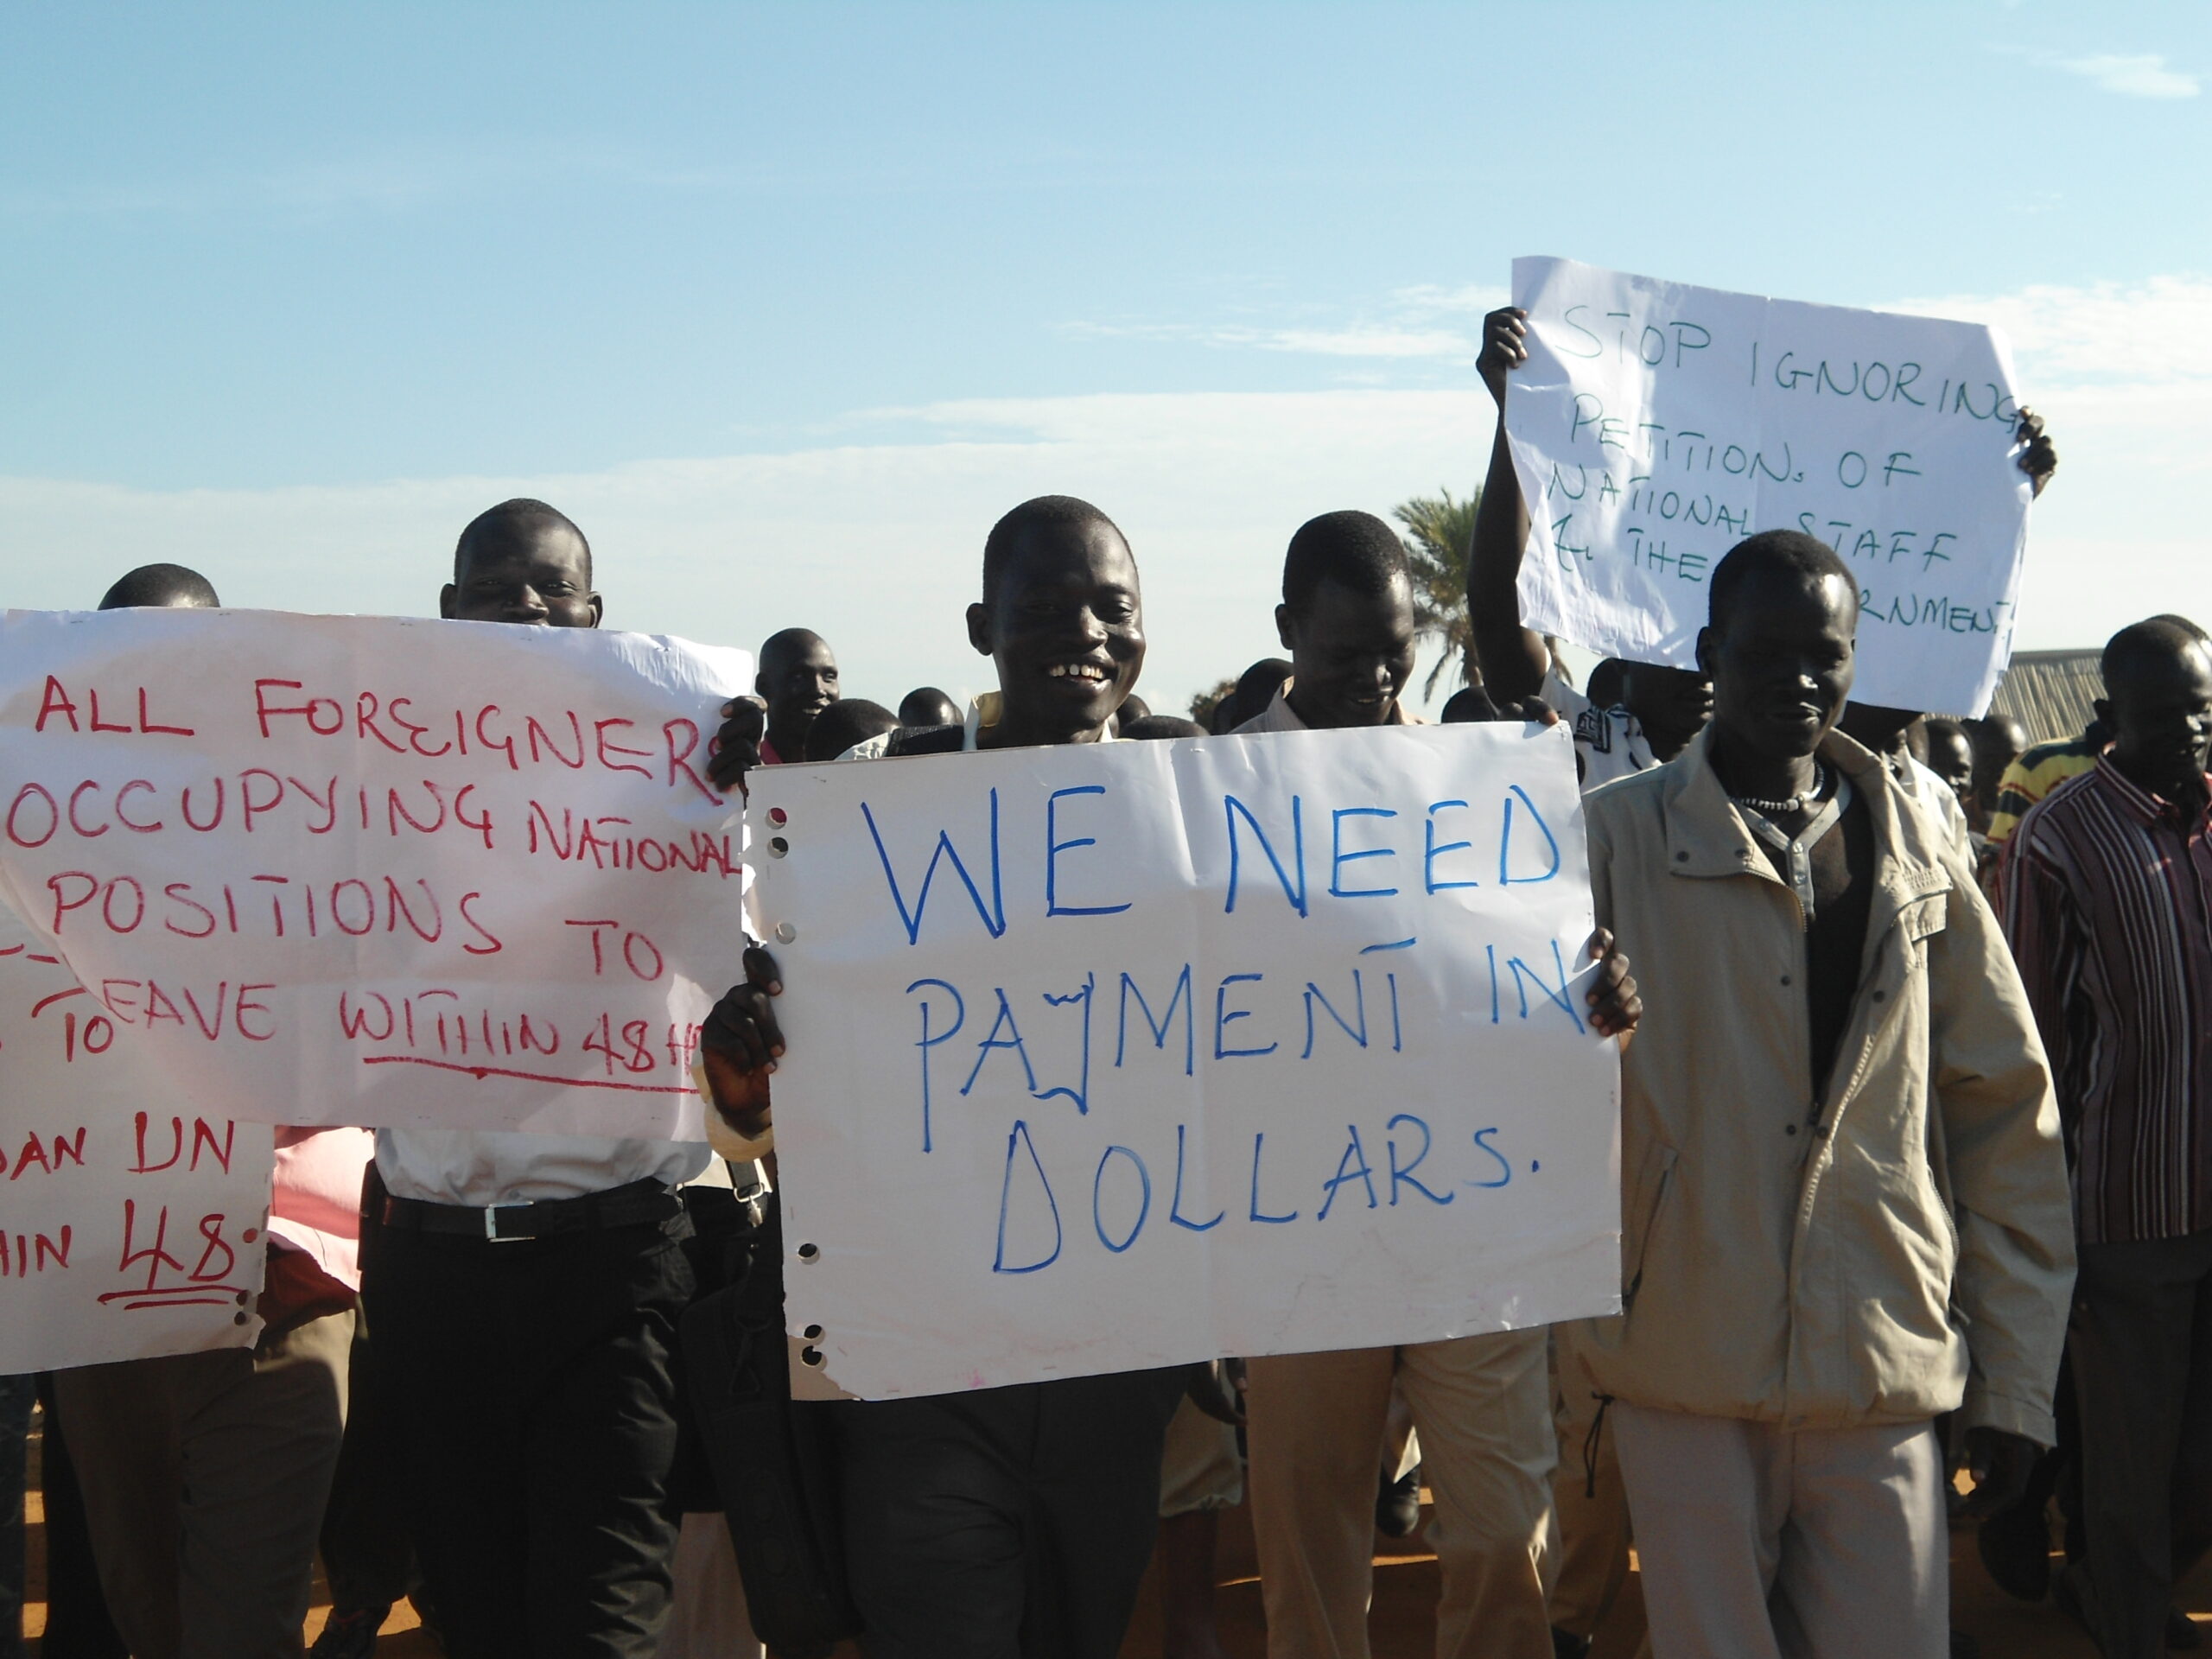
(1481, 1404)
(1844, 1201)
(2105, 886)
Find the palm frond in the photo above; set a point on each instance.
(1440, 535)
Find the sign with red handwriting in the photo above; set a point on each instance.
(379, 871)
(129, 1225)
(1120, 1055)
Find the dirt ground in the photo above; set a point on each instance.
(1402, 1622)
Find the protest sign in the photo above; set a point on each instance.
(370, 870)
(1120, 1055)
(1656, 425)
(127, 1226)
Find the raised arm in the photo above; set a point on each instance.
(1513, 659)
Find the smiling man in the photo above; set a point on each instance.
(2105, 886)
(797, 680)
(1844, 1201)
(1011, 1523)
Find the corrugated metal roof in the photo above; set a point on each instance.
(2050, 692)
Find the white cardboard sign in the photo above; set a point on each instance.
(373, 870)
(1656, 425)
(129, 1226)
(1122, 1055)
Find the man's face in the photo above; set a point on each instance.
(2161, 718)
(1671, 704)
(536, 578)
(1351, 654)
(1950, 757)
(1782, 666)
(1066, 628)
(798, 682)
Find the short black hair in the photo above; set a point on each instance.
(1255, 690)
(1041, 512)
(927, 706)
(1155, 728)
(2144, 644)
(157, 585)
(787, 639)
(1787, 552)
(845, 722)
(1469, 705)
(511, 521)
(1606, 683)
(1352, 549)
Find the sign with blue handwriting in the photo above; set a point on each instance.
(1122, 1055)
(1656, 425)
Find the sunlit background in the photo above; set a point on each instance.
(785, 304)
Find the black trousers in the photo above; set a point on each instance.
(531, 1385)
(1010, 1523)
(2140, 1345)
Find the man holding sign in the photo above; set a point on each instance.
(1845, 1207)
(1480, 1403)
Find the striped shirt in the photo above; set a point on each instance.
(2035, 774)
(2108, 910)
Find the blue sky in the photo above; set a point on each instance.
(785, 303)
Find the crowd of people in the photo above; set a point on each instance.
(1917, 1210)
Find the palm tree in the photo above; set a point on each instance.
(1440, 535)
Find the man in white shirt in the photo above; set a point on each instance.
(524, 1293)
(1481, 1404)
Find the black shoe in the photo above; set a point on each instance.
(2015, 1545)
(1570, 1647)
(349, 1634)
(1397, 1506)
(2182, 1632)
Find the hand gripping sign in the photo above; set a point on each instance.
(1122, 1055)
(1656, 425)
(370, 870)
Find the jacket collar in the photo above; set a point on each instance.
(1706, 836)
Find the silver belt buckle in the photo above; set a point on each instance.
(492, 1221)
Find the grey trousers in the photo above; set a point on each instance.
(2140, 1344)
(205, 1478)
(1758, 1542)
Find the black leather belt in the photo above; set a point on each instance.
(635, 1204)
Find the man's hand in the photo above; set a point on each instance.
(739, 1044)
(2001, 1462)
(1615, 1007)
(1503, 331)
(2039, 458)
(1526, 709)
(737, 746)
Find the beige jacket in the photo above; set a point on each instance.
(1910, 1248)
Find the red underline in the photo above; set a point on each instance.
(175, 1301)
(480, 1072)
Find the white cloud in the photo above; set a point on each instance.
(1408, 329)
(876, 545)
(2139, 336)
(2141, 75)
(876, 542)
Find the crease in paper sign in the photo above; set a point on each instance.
(1245, 1100)
(1657, 424)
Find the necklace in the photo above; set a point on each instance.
(1793, 804)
